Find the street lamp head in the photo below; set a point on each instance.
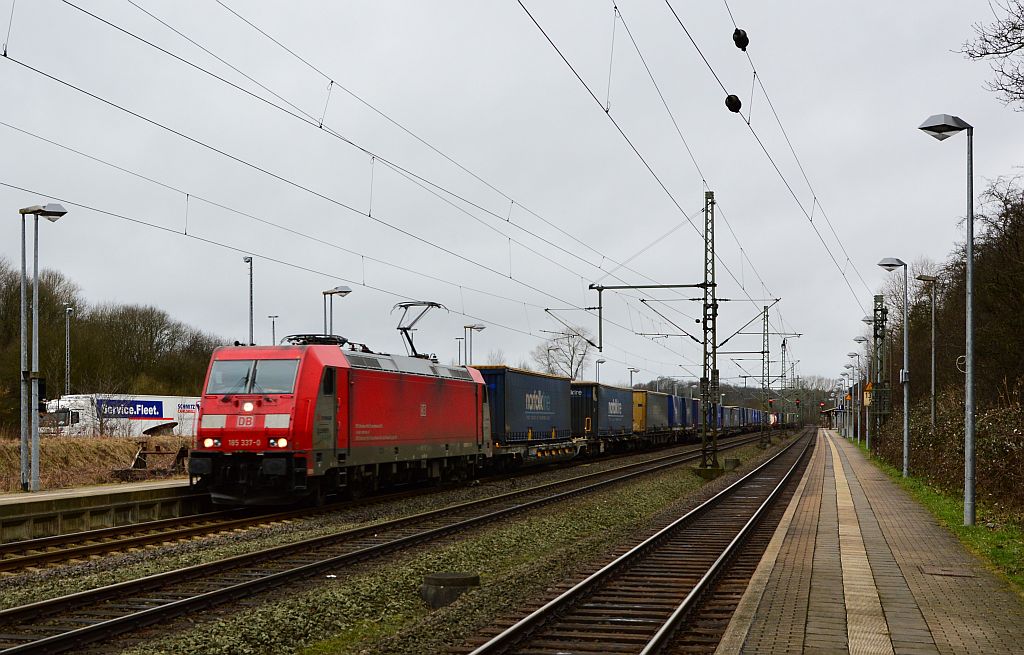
(867, 320)
(853, 354)
(69, 310)
(927, 278)
(273, 316)
(475, 327)
(847, 366)
(601, 361)
(338, 291)
(861, 339)
(51, 211)
(247, 260)
(943, 126)
(891, 263)
(633, 369)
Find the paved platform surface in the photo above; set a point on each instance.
(858, 566)
(20, 497)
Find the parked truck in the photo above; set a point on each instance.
(120, 415)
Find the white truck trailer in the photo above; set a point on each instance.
(120, 415)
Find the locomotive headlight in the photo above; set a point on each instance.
(273, 442)
(282, 442)
(247, 407)
(207, 442)
(216, 442)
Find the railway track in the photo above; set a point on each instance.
(59, 624)
(19, 556)
(650, 599)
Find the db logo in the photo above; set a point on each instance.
(246, 421)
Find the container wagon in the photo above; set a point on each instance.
(530, 413)
(600, 410)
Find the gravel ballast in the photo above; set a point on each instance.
(43, 584)
(376, 608)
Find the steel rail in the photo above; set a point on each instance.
(56, 549)
(35, 612)
(667, 631)
(516, 633)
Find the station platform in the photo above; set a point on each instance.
(20, 497)
(60, 511)
(858, 566)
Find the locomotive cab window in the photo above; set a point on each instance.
(243, 376)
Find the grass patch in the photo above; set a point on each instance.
(996, 539)
(81, 461)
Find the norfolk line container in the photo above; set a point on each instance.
(601, 410)
(527, 406)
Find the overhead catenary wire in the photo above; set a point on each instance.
(512, 201)
(690, 153)
(622, 132)
(305, 117)
(262, 255)
(768, 154)
(194, 197)
(246, 163)
(426, 184)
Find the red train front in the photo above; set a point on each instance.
(280, 423)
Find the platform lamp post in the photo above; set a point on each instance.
(273, 328)
(943, 126)
(30, 401)
(857, 404)
(468, 331)
(891, 264)
(930, 280)
(68, 311)
(849, 403)
(844, 388)
(341, 292)
(853, 400)
(632, 370)
(460, 343)
(862, 340)
(597, 369)
(248, 260)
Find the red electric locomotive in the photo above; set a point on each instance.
(279, 423)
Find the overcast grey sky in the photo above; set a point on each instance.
(479, 82)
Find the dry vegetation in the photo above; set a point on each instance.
(79, 461)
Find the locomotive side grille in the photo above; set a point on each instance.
(363, 362)
(447, 372)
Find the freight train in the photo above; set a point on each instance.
(282, 423)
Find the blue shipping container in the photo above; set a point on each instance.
(527, 406)
(676, 412)
(601, 410)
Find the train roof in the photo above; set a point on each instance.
(591, 383)
(357, 360)
(524, 371)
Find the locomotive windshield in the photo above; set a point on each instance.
(234, 376)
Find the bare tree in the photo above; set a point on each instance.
(564, 354)
(1001, 43)
(496, 356)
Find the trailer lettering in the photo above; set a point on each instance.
(538, 401)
